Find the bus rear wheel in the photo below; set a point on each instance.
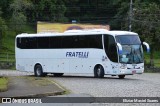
(58, 74)
(38, 71)
(98, 72)
(121, 76)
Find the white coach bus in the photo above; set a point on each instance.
(96, 51)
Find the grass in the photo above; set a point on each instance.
(8, 44)
(156, 58)
(156, 55)
(3, 84)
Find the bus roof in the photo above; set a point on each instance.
(79, 32)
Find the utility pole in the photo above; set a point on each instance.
(130, 15)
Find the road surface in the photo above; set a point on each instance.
(145, 85)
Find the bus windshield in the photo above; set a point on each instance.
(128, 39)
(132, 50)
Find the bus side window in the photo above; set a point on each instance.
(19, 43)
(82, 42)
(43, 42)
(110, 48)
(27, 43)
(74, 42)
(31, 43)
(55, 42)
(93, 41)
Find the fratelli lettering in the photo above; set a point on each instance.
(77, 54)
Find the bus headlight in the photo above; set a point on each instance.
(123, 66)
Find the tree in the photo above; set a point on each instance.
(19, 18)
(3, 29)
(20, 5)
(121, 14)
(18, 22)
(49, 10)
(146, 22)
(4, 4)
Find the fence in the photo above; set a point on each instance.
(154, 67)
(7, 57)
(7, 60)
(155, 63)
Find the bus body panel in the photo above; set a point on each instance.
(57, 60)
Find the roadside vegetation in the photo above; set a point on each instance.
(156, 62)
(3, 84)
(21, 16)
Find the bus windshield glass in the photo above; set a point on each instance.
(128, 39)
(132, 52)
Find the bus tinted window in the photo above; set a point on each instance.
(86, 41)
(128, 39)
(42, 42)
(89, 41)
(69, 42)
(95, 41)
(110, 48)
(27, 42)
(55, 42)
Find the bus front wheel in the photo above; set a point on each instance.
(38, 71)
(98, 71)
(121, 76)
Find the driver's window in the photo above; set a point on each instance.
(110, 48)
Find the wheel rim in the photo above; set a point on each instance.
(38, 71)
(98, 71)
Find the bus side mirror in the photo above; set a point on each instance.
(119, 48)
(147, 46)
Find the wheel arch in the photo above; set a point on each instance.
(97, 66)
(36, 65)
(99, 71)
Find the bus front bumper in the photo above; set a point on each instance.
(131, 71)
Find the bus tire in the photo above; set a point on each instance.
(98, 71)
(58, 74)
(38, 71)
(121, 76)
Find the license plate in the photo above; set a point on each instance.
(134, 71)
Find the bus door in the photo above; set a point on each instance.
(110, 47)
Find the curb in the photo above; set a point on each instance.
(61, 87)
(40, 95)
(59, 91)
